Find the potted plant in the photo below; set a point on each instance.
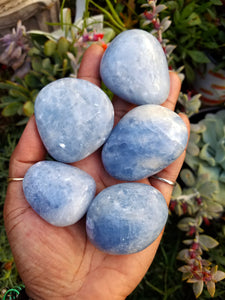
(197, 29)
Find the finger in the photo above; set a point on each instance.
(171, 172)
(29, 150)
(89, 68)
(175, 86)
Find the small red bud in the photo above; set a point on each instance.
(173, 204)
(192, 230)
(195, 246)
(206, 221)
(192, 254)
(199, 200)
(184, 207)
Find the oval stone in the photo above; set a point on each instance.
(59, 193)
(126, 218)
(145, 141)
(74, 118)
(134, 67)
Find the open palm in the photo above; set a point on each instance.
(60, 263)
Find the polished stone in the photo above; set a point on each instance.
(134, 67)
(126, 218)
(74, 118)
(145, 141)
(59, 193)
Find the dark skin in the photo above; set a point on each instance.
(61, 263)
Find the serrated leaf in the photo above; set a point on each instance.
(207, 242)
(198, 288)
(11, 109)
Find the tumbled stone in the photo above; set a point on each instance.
(74, 118)
(134, 67)
(126, 218)
(145, 141)
(59, 193)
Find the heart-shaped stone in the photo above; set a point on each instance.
(145, 141)
(126, 218)
(59, 193)
(134, 67)
(74, 118)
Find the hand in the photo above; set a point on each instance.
(60, 263)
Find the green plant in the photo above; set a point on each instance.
(197, 29)
(202, 199)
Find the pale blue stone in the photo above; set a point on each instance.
(74, 118)
(134, 67)
(145, 141)
(126, 218)
(59, 193)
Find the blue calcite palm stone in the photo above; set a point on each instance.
(145, 141)
(134, 67)
(74, 118)
(59, 193)
(126, 218)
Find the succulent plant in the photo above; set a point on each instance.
(202, 197)
(14, 48)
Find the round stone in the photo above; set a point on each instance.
(145, 141)
(126, 218)
(74, 118)
(134, 67)
(59, 193)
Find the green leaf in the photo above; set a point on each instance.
(187, 177)
(193, 20)
(49, 48)
(11, 109)
(36, 63)
(193, 149)
(207, 242)
(190, 73)
(188, 9)
(28, 108)
(177, 191)
(32, 80)
(62, 46)
(109, 34)
(12, 85)
(206, 155)
(216, 2)
(198, 56)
